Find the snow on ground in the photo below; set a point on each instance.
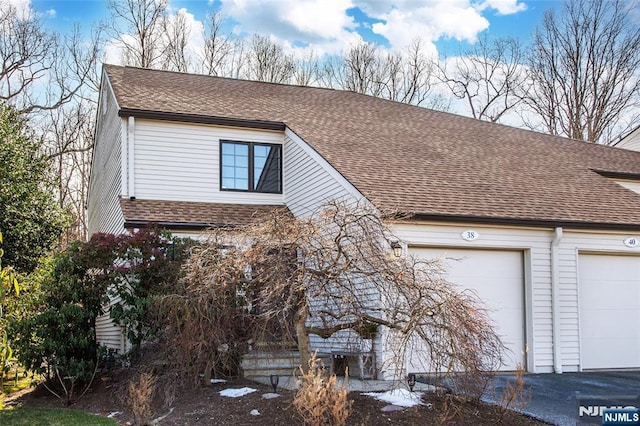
(218, 381)
(399, 397)
(270, 395)
(234, 393)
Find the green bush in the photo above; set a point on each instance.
(54, 335)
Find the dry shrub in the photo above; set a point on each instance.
(207, 323)
(140, 397)
(471, 384)
(514, 395)
(320, 400)
(449, 410)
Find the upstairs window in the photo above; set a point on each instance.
(252, 167)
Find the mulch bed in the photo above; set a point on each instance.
(205, 406)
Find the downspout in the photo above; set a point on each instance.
(555, 301)
(131, 122)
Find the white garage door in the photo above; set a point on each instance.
(609, 293)
(498, 279)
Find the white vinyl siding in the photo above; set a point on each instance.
(105, 190)
(631, 142)
(181, 162)
(110, 334)
(103, 205)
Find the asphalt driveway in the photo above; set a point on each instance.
(554, 397)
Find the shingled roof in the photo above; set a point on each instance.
(411, 160)
(192, 215)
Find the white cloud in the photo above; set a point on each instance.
(287, 19)
(322, 25)
(325, 26)
(51, 13)
(505, 7)
(430, 21)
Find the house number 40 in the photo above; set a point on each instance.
(470, 235)
(632, 242)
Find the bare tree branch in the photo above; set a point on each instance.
(40, 70)
(585, 64)
(490, 78)
(328, 274)
(137, 24)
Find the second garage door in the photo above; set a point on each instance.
(498, 279)
(609, 293)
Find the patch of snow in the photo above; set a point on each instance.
(399, 397)
(114, 414)
(255, 413)
(388, 408)
(218, 381)
(235, 393)
(270, 395)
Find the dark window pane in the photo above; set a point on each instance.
(267, 168)
(235, 166)
(251, 167)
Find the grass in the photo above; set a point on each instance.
(24, 416)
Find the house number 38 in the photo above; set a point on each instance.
(470, 235)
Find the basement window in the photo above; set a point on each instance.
(250, 167)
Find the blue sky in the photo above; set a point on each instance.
(328, 26)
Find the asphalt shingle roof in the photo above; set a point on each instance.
(409, 159)
(192, 214)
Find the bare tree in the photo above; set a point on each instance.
(327, 274)
(218, 47)
(361, 70)
(175, 41)
(69, 144)
(137, 24)
(399, 76)
(306, 70)
(410, 77)
(490, 78)
(41, 70)
(585, 64)
(268, 62)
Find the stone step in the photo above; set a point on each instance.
(263, 363)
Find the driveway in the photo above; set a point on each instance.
(554, 396)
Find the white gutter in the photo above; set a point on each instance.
(555, 302)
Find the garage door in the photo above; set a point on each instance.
(609, 293)
(497, 277)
